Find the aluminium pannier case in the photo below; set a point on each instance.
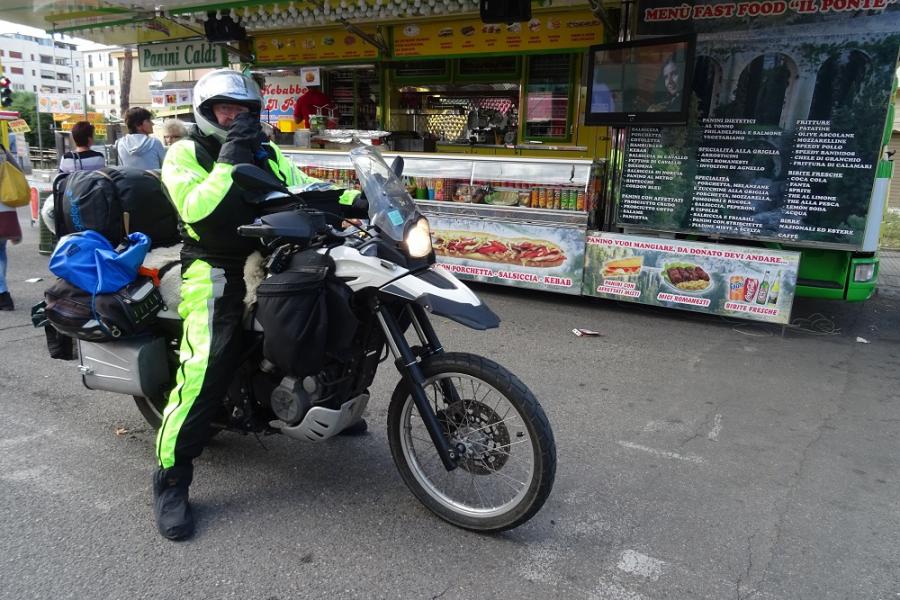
(137, 367)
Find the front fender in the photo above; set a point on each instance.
(440, 293)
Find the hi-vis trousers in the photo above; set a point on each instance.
(212, 310)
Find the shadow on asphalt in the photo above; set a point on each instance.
(876, 319)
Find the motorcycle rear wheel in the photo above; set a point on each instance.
(508, 454)
(151, 409)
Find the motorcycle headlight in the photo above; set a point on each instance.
(418, 239)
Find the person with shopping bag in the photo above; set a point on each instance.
(14, 192)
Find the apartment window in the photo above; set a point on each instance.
(91, 79)
(109, 57)
(34, 87)
(90, 61)
(15, 54)
(18, 71)
(47, 60)
(33, 73)
(112, 79)
(93, 100)
(2, 53)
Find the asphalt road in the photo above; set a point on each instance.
(698, 459)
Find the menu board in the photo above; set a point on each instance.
(558, 31)
(734, 281)
(784, 130)
(528, 256)
(19, 126)
(319, 45)
(64, 104)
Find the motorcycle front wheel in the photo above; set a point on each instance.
(507, 455)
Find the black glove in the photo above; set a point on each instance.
(243, 139)
(361, 204)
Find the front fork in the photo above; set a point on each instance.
(407, 363)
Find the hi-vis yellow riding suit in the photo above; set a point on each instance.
(212, 292)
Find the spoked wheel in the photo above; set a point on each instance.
(507, 455)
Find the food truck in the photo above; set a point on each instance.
(713, 156)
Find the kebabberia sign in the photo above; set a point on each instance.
(180, 55)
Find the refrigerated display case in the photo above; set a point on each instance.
(504, 220)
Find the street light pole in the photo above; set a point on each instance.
(37, 113)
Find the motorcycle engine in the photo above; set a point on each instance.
(291, 400)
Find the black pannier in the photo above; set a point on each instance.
(101, 199)
(306, 315)
(125, 313)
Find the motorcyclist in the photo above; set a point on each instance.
(197, 175)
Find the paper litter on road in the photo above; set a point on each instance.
(586, 332)
(34, 280)
(862, 340)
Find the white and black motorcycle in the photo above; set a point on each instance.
(468, 437)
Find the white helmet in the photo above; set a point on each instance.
(223, 85)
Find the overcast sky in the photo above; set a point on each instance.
(7, 27)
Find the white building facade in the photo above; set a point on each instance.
(101, 70)
(35, 64)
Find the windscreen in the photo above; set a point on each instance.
(390, 207)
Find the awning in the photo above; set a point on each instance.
(128, 22)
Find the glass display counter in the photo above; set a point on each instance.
(506, 220)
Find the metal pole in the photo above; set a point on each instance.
(37, 106)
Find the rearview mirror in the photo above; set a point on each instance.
(253, 179)
(397, 166)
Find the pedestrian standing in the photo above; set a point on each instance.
(9, 232)
(139, 149)
(173, 130)
(83, 158)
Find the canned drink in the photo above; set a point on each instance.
(750, 287)
(542, 197)
(534, 198)
(557, 197)
(580, 200)
(571, 196)
(736, 288)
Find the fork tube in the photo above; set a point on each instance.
(424, 329)
(409, 369)
(430, 339)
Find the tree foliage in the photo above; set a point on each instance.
(26, 105)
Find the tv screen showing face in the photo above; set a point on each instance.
(645, 82)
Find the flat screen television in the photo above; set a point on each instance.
(643, 82)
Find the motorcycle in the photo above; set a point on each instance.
(469, 439)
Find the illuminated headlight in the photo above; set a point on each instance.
(864, 272)
(418, 240)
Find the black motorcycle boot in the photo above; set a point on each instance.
(170, 502)
(6, 301)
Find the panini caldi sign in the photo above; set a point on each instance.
(193, 54)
